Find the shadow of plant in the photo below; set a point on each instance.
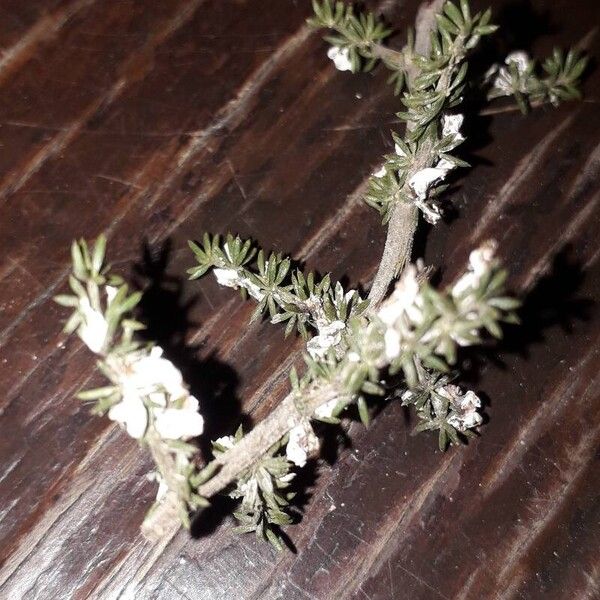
(167, 316)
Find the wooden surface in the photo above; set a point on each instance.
(155, 121)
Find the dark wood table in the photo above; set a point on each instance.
(157, 121)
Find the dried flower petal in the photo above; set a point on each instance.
(326, 410)
(464, 407)
(302, 443)
(132, 414)
(330, 335)
(451, 125)
(179, 423)
(340, 58)
(94, 329)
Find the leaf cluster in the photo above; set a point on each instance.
(558, 80)
(358, 34)
(89, 275)
(437, 88)
(283, 294)
(264, 495)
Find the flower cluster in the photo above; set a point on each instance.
(356, 42)
(153, 394)
(519, 77)
(147, 395)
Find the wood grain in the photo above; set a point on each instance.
(157, 121)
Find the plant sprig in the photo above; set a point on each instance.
(359, 35)
(305, 302)
(558, 80)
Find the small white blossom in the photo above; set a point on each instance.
(422, 180)
(111, 292)
(302, 443)
(402, 310)
(380, 172)
(403, 300)
(326, 410)
(227, 441)
(152, 381)
(340, 58)
(464, 407)
(430, 211)
(353, 357)
(519, 58)
(179, 423)
(391, 340)
(481, 261)
(227, 277)
(451, 125)
(399, 150)
(94, 329)
(132, 414)
(147, 373)
(504, 83)
(330, 335)
(407, 396)
(231, 278)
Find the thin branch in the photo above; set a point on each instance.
(405, 217)
(257, 442)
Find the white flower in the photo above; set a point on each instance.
(504, 81)
(152, 372)
(520, 58)
(340, 58)
(94, 329)
(227, 441)
(481, 260)
(227, 277)
(132, 414)
(230, 278)
(464, 407)
(451, 125)
(179, 423)
(407, 396)
(422, 180)
(302, 443)
(380, 172)
(400, 311)
(391, 340)
(111, 292)
(326, 410)
(431, 211)
(155, 378)
(329, 335)
(403, 300)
